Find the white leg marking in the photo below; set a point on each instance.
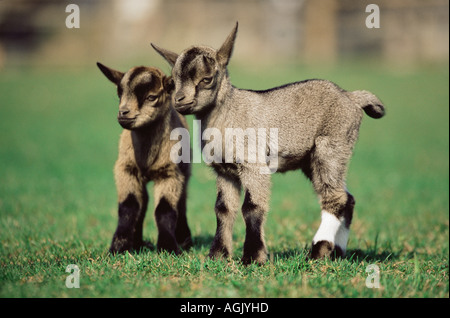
(342, 238)
(333, 230)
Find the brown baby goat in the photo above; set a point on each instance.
(147, 116)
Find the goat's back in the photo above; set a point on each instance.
(301, 111)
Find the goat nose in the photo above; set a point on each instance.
(123, 112)
(179, 97)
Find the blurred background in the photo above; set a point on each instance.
(33, 32)
(59, 131)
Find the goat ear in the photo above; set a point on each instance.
(113, 75)
(169, 56)
(168, 83)
(225, 51)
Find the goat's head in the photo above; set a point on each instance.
(198, 73)
(144, 92)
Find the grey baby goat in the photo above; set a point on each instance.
(317, 123)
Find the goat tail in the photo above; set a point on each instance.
(371, 105)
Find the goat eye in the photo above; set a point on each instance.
(207, 80)
(151, 98)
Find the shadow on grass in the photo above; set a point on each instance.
(202, 241)
(358, 255)
(199, 242)
(371, 255)
(353, 255)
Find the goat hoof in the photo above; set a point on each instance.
(186, 244)
(259, 259)
(170, 249)
(324, 249)
(218, 251)
(218, 255)
(144, 244)
(120, 245)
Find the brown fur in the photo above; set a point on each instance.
(147, 116)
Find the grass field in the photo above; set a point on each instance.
(58, 144)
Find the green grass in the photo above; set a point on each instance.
(58, 144)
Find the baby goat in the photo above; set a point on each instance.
(147, 116)
(317, 123)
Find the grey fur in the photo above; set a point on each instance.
(318, 126)
(147, 116)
